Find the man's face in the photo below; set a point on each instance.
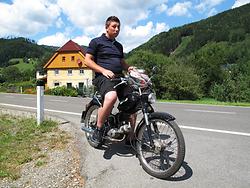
(113, 30)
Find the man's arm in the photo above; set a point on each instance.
(126, 66)
(89, 61)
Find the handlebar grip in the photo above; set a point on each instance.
(116, 80)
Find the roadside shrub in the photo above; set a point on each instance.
(17, 87)
(30, 91)
(179, 82)
(85, 91)
(232, 89)
(62, 91)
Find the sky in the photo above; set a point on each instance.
(54, 22)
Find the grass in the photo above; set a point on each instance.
(24, 66)
(22, 141)
(209, 102)
(182, 46)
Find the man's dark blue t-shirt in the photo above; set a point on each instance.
(107, 53)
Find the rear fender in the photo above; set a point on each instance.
(94, 101)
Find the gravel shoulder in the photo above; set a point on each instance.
(62, 168)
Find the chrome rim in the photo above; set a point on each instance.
(163, 154)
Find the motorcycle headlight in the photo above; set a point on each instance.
(152, 98)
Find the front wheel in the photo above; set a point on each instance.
(165, 157)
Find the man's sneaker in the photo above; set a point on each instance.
(97, 136)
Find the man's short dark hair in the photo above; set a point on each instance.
(111, 19)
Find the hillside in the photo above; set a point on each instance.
(231, 26)
(209, 58)
(21, 48)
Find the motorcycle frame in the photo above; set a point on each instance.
(147, 110)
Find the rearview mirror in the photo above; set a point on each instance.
(154, 70)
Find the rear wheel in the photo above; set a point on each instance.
(166, 156)
(90, 122)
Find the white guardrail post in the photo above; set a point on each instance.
(40, 101)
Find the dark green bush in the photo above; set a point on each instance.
(85, 91)
(232, 89)
(62, 91)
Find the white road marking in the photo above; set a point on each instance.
(182, 126)
(191, 104)
(215, 130)
(209, 111)
(29, 98)
(56, 100)
(18, 106)
(34, 108)
(63, 112)
(9, 96)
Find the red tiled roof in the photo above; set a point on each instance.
(71, 46)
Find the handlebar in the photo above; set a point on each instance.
(121, 81)
(131, 81)
(116, 79)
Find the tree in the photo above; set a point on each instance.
(12, 74)
(179, 81)
(209, 62)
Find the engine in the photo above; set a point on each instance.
(118, 133)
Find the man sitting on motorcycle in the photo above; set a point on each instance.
(105, 56)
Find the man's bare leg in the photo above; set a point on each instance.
(103, 112)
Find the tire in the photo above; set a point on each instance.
(172, 148)
(90, 122)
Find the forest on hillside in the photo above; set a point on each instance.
(209, 58)
(19, 50)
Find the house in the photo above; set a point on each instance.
(66, 67)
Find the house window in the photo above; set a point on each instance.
(56, 84)
(80, 85)
(69, 72)
(69, 85)
(81, 71)
(56, 71)
(72, 58)
(63, 58)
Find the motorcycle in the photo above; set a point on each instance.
(159, 142)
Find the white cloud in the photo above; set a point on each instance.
(161, 8)
(90, 15)
(30, 17)
(59, 23)
(207, 4)
(27, 17)
(58, 39)
(82, 40)
(212, 12)
(180, 9)
(239, 3)
(132, 37)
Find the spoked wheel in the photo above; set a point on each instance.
(90, 122)
(164, 158)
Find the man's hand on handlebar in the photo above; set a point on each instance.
(109, 74)
(131, 68)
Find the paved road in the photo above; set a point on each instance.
(217, 146)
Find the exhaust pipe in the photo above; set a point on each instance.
(86, 129)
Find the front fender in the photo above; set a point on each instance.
(156, 115)
(162, 115)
